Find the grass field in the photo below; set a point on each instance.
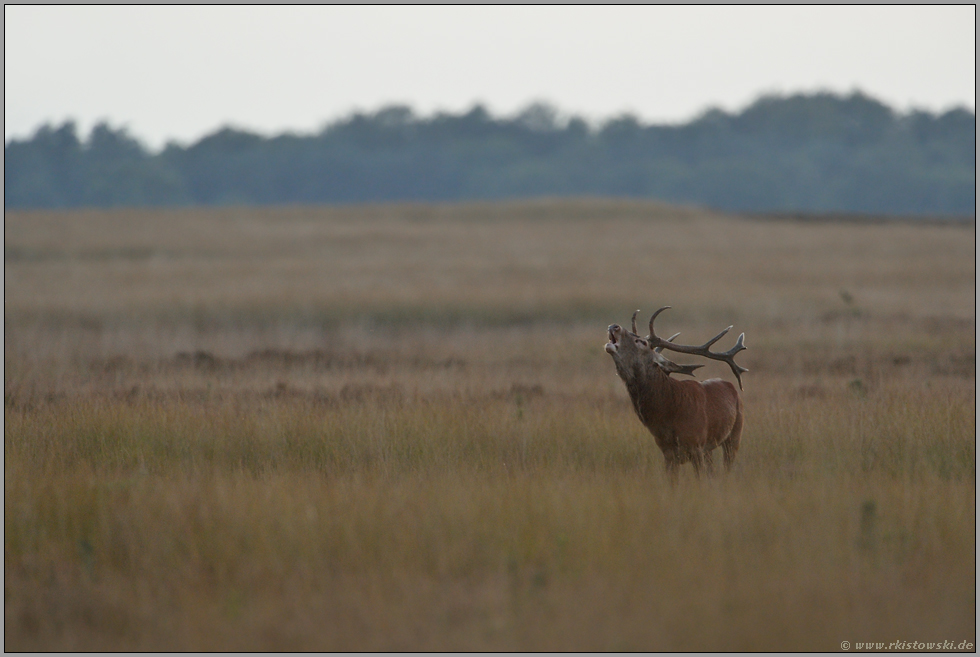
(395, 428)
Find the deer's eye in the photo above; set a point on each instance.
(641, 342)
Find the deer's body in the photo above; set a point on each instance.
(688, 419)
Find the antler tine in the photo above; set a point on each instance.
(653, 336)
(634, 321)
(718, 337)
(703, 350)
(730, 359)
(682, 369)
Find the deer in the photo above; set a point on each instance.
(688, 418)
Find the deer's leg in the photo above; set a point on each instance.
(730, 446)
(672, 465)
(709, 464)
(697, 460)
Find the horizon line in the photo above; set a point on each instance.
(563, 118)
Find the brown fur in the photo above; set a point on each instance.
(688, 419)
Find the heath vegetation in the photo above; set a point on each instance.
(394, 427)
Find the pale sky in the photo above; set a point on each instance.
(181, 72)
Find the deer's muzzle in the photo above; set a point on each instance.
(612, 346)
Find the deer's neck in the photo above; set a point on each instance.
(652, 392)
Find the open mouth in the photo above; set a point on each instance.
(612, 346)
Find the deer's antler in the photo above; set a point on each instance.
(670, 366)
(659, 344)
(670, 339)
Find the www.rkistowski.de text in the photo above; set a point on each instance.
(908, 645)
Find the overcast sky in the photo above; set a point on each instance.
(181, 72)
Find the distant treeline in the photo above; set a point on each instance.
(801, 153)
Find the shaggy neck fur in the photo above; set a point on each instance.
(649, 387)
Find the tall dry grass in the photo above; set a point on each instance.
(394, 427)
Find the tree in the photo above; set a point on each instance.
(805, 152)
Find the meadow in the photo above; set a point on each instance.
(394, 427)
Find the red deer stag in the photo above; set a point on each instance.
(688, 419)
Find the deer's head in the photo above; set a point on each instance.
(625, 346)
(631, 353)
